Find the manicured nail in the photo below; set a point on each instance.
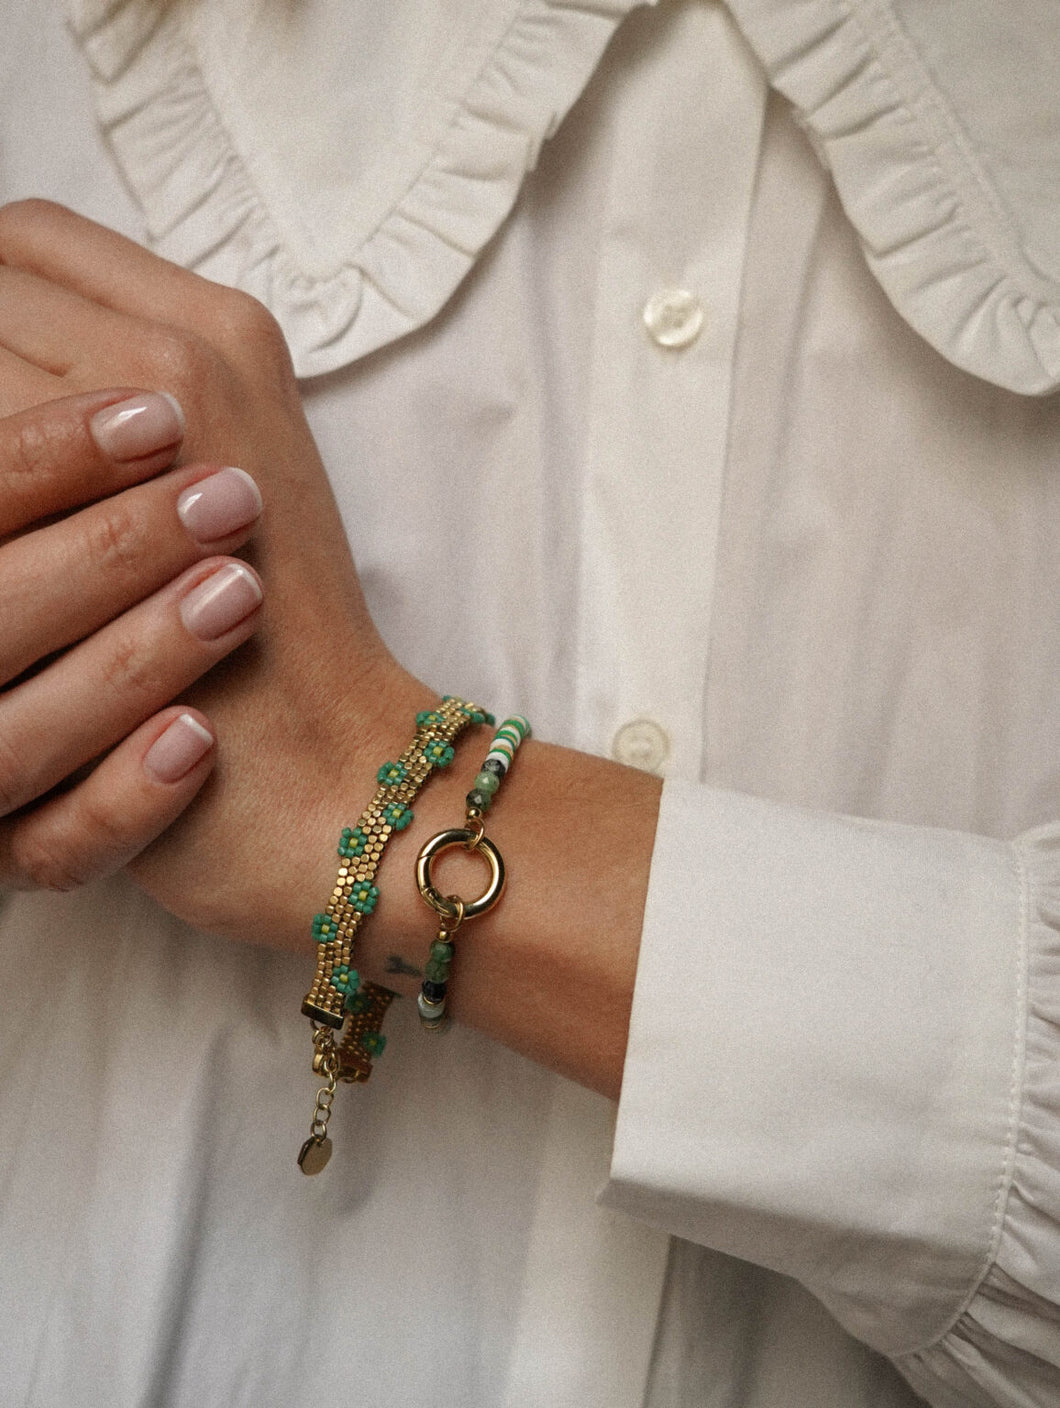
(175, 752)
(220, 505)
(219, 604)
(140, 426)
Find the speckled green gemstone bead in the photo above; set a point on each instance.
(479, 800)
(487, 782)
(438, 962)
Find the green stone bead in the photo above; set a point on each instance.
(486, 782)
(436, 972)
(478, 799)
(441, 952)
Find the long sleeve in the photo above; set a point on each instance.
(842, 1066)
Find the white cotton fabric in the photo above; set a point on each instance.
(813, 553)
(355, 229)
(821, 1039)
(937, 122)
(940, 126)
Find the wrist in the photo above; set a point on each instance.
(550, 971)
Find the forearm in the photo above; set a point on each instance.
(550, 970)
(305, 715)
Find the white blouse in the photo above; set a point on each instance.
(637, 389)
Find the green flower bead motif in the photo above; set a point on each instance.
(325, 928)
(352, 842)
(438, 753)
(397, 815)
(429, 718)
(392, 774)
(363, 896)
(373, 1043)
(345, 979)
(357, 1002)
(477, 716)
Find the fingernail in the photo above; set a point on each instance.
(140, 426)
(220, 505)
(219, 604)
(175, 752)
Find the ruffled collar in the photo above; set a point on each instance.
(355, 245)
(237, 125)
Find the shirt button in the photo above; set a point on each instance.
(642, 743)
(673, 317)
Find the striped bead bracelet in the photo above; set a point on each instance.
(451, 909)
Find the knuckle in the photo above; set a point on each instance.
(33, 448)
(180, 361)
(45, 862)
(115, 544)
(245, 326)
(32, 211)
(105, 835)
(132, 673)
(13, 783)
(244, 318)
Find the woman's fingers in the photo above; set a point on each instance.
(112, 815)
(88, 700)
(73, 451)
(22, 385)
(61, 583)
(65, 248)
(37, 319)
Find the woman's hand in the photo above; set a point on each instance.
(307, 711)
(108, 613)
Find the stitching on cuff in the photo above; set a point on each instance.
(1019, 1057)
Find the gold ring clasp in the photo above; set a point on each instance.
(448, 906)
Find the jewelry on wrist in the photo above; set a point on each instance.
(337, 996)
(453, 910)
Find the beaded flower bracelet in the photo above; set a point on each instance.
(453, 910)
(337, 992)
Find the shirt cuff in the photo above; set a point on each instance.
(825, 1054)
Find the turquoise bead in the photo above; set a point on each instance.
(373, 1043)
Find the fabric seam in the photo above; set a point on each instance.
(461, 105)
(953, 179)
(1008, 1167)
(961, 173)
(960, 179)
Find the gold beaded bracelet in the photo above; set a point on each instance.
(337, 992)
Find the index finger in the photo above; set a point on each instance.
(78, 449)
